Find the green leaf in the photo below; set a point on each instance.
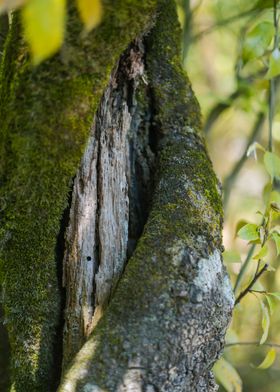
(268, 360)
(272, 303)
(262, 4)
(43, 23)
(90, 12)
(265, 323)
(276, 239)
(227, 376)
(275, 206)
(276, 295)
(257, 41)
(249, 232)
(231, 256)
(272, 164)
(262, 253)
(274, 64)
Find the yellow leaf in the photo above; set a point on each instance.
(90, 12)
(8, 5)
(227, 376)
(262, 253)
(265, 323)
(44, 24)
(269, 359)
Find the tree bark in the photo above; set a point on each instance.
(147, 299)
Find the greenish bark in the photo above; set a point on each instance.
(46, 114)
(164, 326)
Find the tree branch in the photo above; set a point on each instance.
(251, 284)
(276, 345)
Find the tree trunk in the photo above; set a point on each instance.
(138, 280)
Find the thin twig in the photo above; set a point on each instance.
(251, 284)
(187, 28)
(252, 344)
(224, 22)
(271, 103)
(218, 109)
(244, 267)
(230, 179)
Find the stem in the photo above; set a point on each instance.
(220, 107)
(271, 102)
(244, 268)
(187, 28)
(224, 22)
(251, 284)
(252, 344)
(230, 179)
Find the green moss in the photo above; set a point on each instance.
(46, 114)
(184, 163)
(186, 213)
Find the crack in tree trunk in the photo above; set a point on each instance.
(110, 199)
(165, 322)
(165, 312)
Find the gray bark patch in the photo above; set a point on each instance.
(109, 201)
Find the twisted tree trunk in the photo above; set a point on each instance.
(139, 278)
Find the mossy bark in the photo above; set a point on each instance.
(165, 322)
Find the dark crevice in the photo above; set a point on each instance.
(60, 251)
(97, 250)
(143, 156)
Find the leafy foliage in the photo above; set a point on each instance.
(44, 22)
(227, 376)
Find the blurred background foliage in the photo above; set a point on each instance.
(236, 103)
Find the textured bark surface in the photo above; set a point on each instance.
(108, 205)
(46, 115)
(146, 309)
(165, 323)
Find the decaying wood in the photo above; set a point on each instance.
(167, 312)
(104, 202)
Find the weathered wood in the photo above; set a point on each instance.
(104, 202)
(164, 326)
(46, 114)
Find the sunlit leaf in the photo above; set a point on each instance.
(8, 5)
(276, 295)
(268, 360)
(276, 238)
(90, 12)
(249, 232)
(231, 256)
(272, 164)
(43, 22)
(267, 192)
(272, 303)
(262, 253)
(257, 41)
(227, 376)
(276, 131)
(265, 323)
(274, 64)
